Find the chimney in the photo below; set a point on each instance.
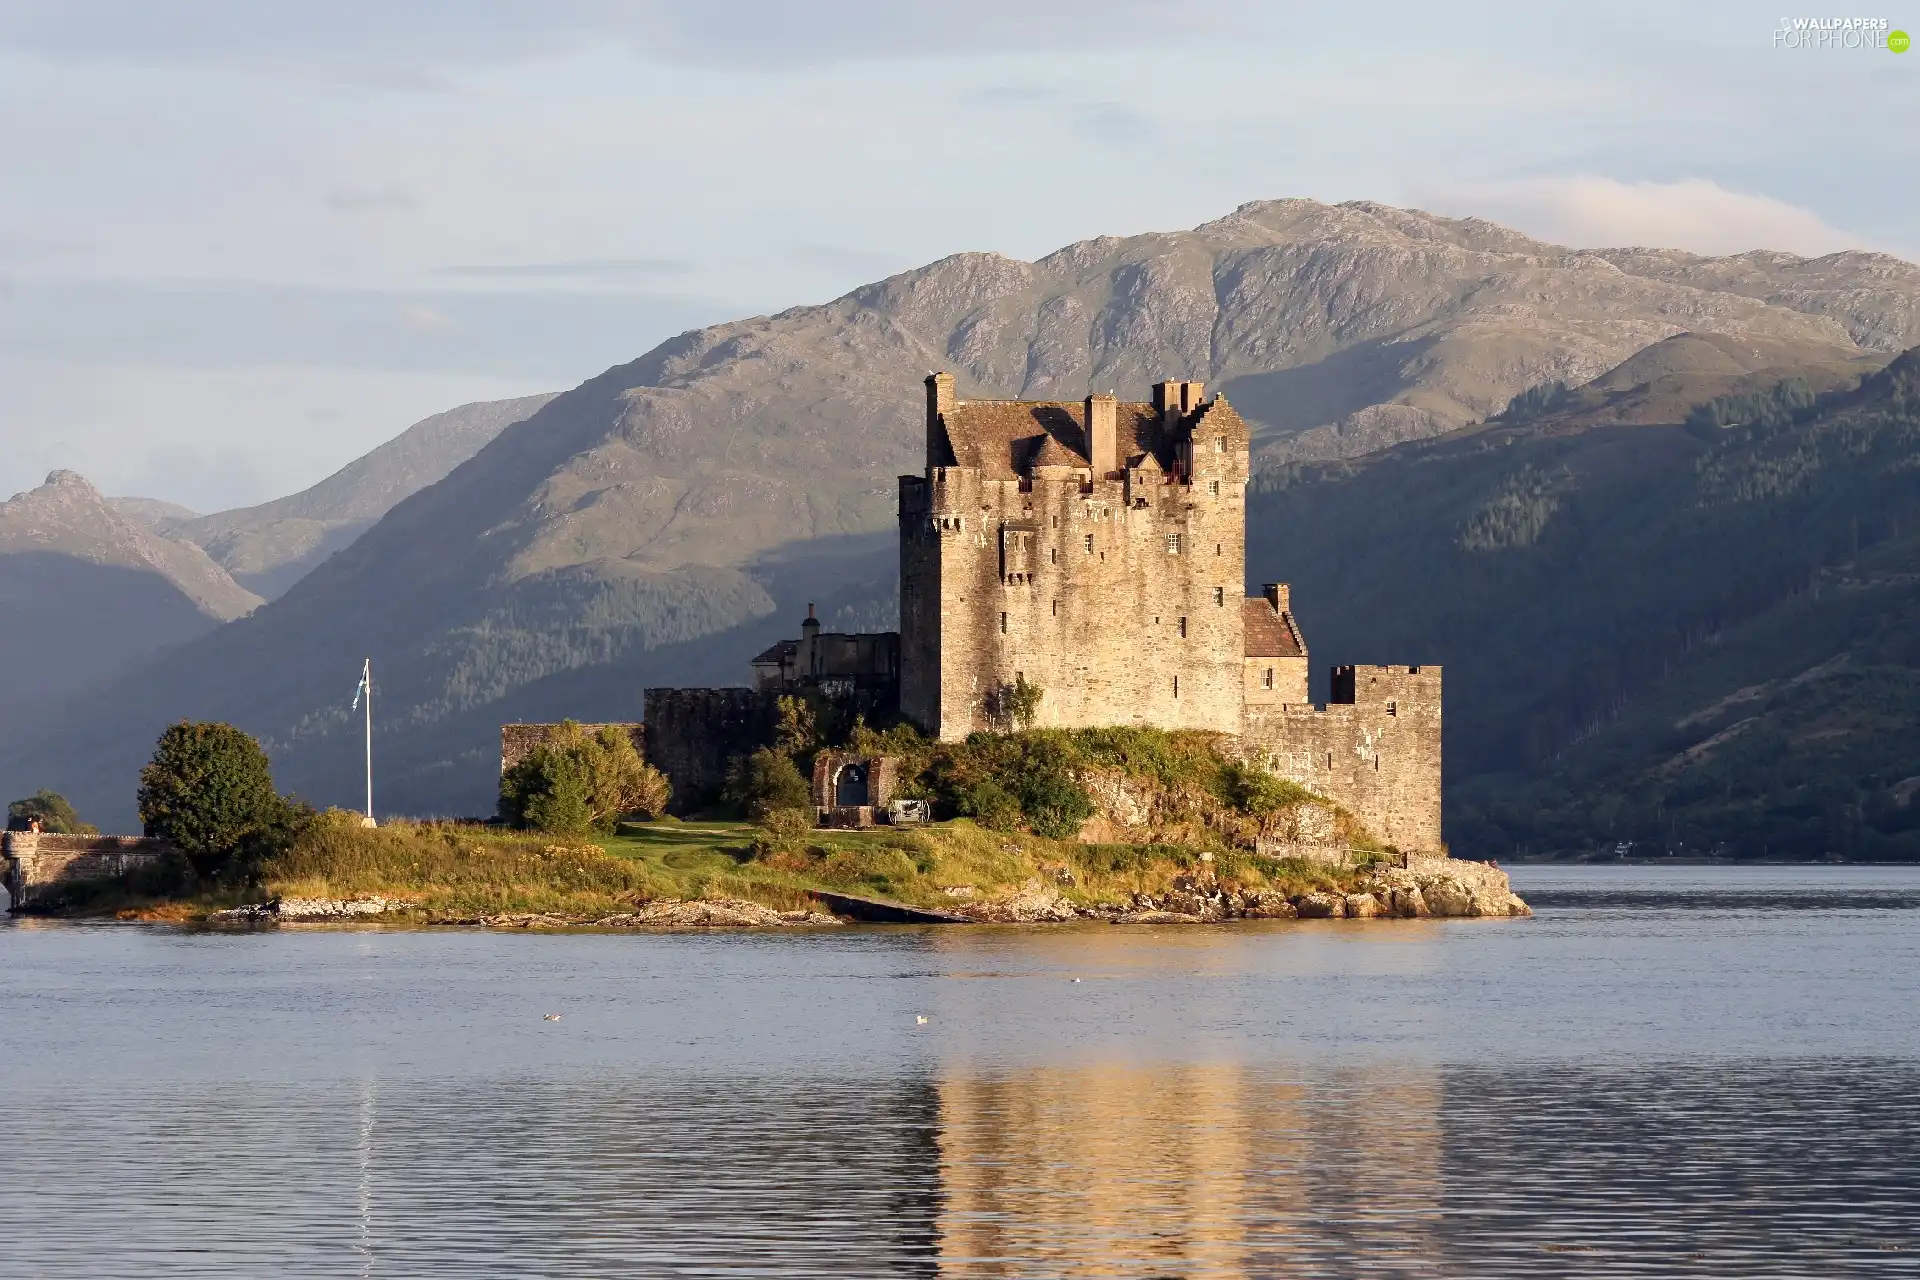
(809, 656)
(1175, 400)
(1279, 595)
(1103, 435)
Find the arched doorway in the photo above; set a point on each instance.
(850, 786)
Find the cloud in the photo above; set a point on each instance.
(1697, 214)
(373, 39)
(356, 200)
(424, 319)
(1113, 123)
(602, 269)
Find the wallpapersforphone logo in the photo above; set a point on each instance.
(1840, 33)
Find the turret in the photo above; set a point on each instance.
(940, 402)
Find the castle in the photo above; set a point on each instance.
(1094, 552)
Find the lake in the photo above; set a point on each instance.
(1667, 1071)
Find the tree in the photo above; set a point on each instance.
(55, 814)
(209, 791)
(765, 782)
(579, 781)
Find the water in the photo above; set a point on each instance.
(1696, 1072)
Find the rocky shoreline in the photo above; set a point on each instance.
(1424, 888)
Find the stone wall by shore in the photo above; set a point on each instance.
(43, 869)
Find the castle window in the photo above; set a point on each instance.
(1220, 444)
(1056, 608)
(1183, 628)
(1220, 596)
(1393, 708)
(1173, 544)
(1089, 544)
(1216, 548)
(1213, 487)
(1053, 555)
(1268, 680)
(1176, 686)
(1003, 624)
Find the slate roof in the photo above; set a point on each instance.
(1270, 634)
(779, 655)
(1003, 438)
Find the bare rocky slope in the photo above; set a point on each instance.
(85, 592)
(270, 547)
(661, 521)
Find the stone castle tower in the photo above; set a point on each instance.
(1098, 551)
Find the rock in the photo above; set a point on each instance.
(1363, 906)
(307, 909)
(1032, 903)
(1267, 905)
(1320, 906)
(1158, 917)
(1407, 903)
(1446, 896)
(715, 913)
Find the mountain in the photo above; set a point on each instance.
(154, 513)
(658, 523)
(86, 593)
(270, 547)
(1691, 630)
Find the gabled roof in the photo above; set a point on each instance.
(1270, 633)
(1054, 454)
(778, 655)
(1004, 437)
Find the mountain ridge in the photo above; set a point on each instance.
(635, 529)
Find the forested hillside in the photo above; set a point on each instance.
(1702, 635)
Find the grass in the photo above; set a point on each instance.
(450, 871)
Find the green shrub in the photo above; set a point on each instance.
(55, 814)
(766, 781)
(577, 781)
(1252, 790)
(989, 803)
(787, 823)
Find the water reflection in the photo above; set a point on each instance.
(1201, 1169)
(1195, 1170)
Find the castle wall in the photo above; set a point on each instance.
(691, 734)
(919, 606)
(40, 866)
(1119, 598)
(517, 741)
(1272, 682)
(1376, 753)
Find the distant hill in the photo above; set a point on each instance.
(153, 512)
(86, 593)
(270, 547)
(1697, 629)
(661, 521)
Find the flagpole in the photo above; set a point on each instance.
(366, 674)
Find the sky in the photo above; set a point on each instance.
(243, 243)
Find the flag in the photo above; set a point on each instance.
(365, 673)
